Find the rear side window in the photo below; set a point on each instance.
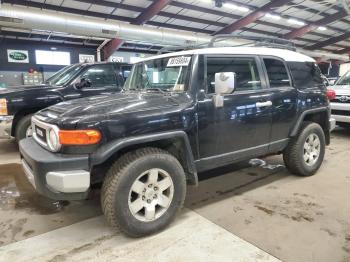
(305, 74)
(276, 72)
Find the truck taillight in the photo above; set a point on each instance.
(330, 94)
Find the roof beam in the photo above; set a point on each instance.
(322, 22)
(330, 41)
(163, 13)
(252, 17)
(111, 47)
(343, 51)
(152, 10)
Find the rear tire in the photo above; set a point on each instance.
(22, 127)
(143, 191)
(305, 152)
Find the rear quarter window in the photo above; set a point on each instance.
(306, 75)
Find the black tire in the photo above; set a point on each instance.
(119, 180)
(293, 155)
(22, 126)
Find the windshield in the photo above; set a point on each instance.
(163, 74)
(57, 74)
(344, 80)
(64, 75)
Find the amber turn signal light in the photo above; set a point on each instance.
(79, 137)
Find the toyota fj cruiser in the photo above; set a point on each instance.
(178, 115)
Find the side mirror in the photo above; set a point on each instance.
(332, 82)
(83, 83)
(224, 84)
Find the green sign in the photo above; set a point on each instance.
(19, 56)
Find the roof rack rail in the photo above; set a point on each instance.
(170, 49)
(257, 41)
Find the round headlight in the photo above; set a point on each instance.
(53, 140)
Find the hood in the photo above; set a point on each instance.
(341, 90)
(100, 107)
(23, 88)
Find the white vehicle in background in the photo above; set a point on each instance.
(341, 104)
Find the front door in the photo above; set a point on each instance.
(241, 128)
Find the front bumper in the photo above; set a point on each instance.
(341, 112)
(5, 126)
(57, 176)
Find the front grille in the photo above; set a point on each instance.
(341, 99)
(41, 132)
(341, 112)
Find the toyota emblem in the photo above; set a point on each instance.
(343, 98)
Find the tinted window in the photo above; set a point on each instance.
(276, 72)
(247, 75)
(305, 74)
(102, 75)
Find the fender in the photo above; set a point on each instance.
(105, 152)
(298, 123)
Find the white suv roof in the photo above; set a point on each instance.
(286, 55)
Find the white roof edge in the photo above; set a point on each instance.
(285, 54)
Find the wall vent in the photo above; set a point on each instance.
(11, 20)
(109, 32)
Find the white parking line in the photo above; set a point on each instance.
(191, 237)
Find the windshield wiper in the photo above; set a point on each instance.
(155, 89)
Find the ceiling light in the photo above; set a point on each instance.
(295, 22)
(236, 7)
(271, 16)
(322, 28)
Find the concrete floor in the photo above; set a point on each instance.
(288, 217)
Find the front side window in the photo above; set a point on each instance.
(245, 69)
(101, 76)
(164, 74)
(276, 72)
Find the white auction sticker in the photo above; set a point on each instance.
(179, 61)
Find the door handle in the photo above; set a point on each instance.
(263, 104)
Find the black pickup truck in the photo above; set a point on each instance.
(179, 114)
(18, 104)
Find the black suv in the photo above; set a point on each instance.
(18, 104)
(179, 114)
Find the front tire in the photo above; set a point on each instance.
(143, 191)
(23, 128)
(305, 152)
